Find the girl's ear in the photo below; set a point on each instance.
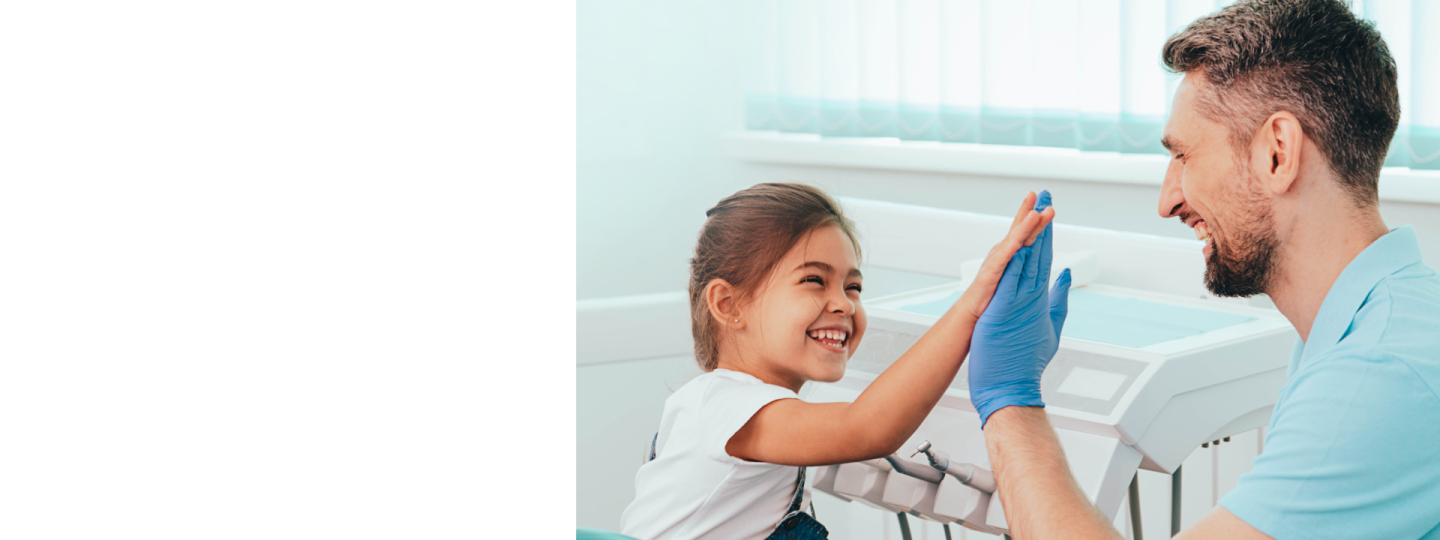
(724, 305)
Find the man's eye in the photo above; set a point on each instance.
(1179, 156)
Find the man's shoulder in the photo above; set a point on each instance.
(1417, 282)
(1395, 335)
(1393, 341)
(1399, 320)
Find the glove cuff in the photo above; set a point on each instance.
(987, 405)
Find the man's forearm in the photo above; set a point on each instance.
(1038, 492)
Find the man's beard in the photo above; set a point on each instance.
(1243, 265)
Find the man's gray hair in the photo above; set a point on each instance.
(1311, 58)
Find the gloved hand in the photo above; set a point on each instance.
(1019, 332)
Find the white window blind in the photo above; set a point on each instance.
(1082, 74)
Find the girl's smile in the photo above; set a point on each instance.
(832, 337)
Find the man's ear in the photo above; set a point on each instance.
(1276, 152)
(724, 303)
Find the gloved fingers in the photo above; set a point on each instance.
(1011, 282)
(1032, 268)
(1043, 241)
(1044, 252)
(1042, 201)
(1060, 301)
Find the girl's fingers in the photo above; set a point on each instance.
(1022, 229)
(1027, 224)
(1012, 242)
(1025, 206)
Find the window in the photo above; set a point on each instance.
(1081, 74)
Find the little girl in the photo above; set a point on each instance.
(775, 302)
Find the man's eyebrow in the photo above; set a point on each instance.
(824, 267)
(1170, 144)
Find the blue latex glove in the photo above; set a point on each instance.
(1019, 331)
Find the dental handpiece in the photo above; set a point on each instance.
(967, 473)
(914, 470)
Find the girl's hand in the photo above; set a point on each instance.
(1023, 230)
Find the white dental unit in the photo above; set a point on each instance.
(1150, 364)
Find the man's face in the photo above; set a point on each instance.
(1213, 189)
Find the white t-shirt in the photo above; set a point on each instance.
(693, 488)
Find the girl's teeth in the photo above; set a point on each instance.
(830, 335)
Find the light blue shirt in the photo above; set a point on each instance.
(1353, 448)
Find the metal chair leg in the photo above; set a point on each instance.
(1135, 506)
(1175, 502)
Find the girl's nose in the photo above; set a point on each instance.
(841, 304)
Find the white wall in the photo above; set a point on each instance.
(655, 87)
(657, 84)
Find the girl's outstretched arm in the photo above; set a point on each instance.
(794, 432)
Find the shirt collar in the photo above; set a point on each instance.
(1383, 257)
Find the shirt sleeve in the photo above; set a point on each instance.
(727, 406)
(1351, 454)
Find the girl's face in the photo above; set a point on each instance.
(807, 316)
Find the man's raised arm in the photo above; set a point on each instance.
(1013, 342)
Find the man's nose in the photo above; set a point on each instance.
(1171, 196)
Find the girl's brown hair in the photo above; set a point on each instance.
(744, 236)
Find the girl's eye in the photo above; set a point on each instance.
(813, 279)
(856, 287)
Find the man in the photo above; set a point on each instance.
(1277, 134)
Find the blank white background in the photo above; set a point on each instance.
(287, 269)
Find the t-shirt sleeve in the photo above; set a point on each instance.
(1351, 454)
(727, 406)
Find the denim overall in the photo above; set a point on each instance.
(796, 525)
